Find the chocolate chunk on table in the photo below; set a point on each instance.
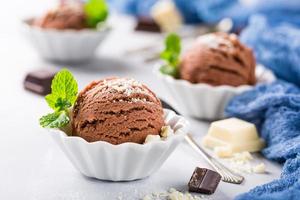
(204, 181)
(147, 24)
(39, 81)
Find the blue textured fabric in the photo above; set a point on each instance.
(188, 10)
(276, 10)
(275, 109)
(211, 11)
(277, 47)
(132, 7)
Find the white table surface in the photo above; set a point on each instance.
(31, 164)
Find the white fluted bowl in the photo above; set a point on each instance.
(203, 100)
(123, 162)
(64, 45)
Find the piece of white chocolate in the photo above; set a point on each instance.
(167, 16)
(233, 130)
(239, 135)
(166, 131)
(152, 138)
(259, 169)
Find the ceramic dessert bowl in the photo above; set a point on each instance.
(64, 45)
(123, 162)
(203, 100)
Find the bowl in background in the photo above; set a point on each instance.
(64, 45)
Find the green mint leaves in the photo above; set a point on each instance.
(64, 90)
(96, 11)
(172, 49)
(63, 95)
(55, 120)
(171, 55)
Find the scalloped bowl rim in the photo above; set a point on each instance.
(202, 85)
(180, 133)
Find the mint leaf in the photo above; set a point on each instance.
(64, 91)
(63, 96)
(63, 104)
(55, 120)
(51, 100)
(65, 86)
(171, 55)
(96, 11)
(172, 71)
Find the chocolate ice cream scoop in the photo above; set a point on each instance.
(66, 16)
(219, 59)
(117, 110)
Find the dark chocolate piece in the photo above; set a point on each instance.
(147, 24)
(204, 181)
(39, 81)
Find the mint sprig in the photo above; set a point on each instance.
(55, 120)
(64, 89)
(96, 11)
(171, 55)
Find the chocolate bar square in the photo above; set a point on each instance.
(147, 24)
(204, 181)
(39, 81)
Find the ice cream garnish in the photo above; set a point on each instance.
(171, 55)
(64, 89)
(96, 11)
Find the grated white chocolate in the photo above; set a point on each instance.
(173, 194)
(214, 41)
(126, 86)
(133, 100)
(241, 162)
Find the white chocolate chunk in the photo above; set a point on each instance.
(167, 16)
(233, 130)
(223, 152)
(152, 138)
(259, 169)
(237, 134)
(166, 131)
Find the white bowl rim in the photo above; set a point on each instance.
(169, 140)
(205, 85)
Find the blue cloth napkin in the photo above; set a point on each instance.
(275, 46)
(211, 11)
(275, 109)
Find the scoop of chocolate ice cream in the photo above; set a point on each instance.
(219, 59)
(66, 16)
(117, 110)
